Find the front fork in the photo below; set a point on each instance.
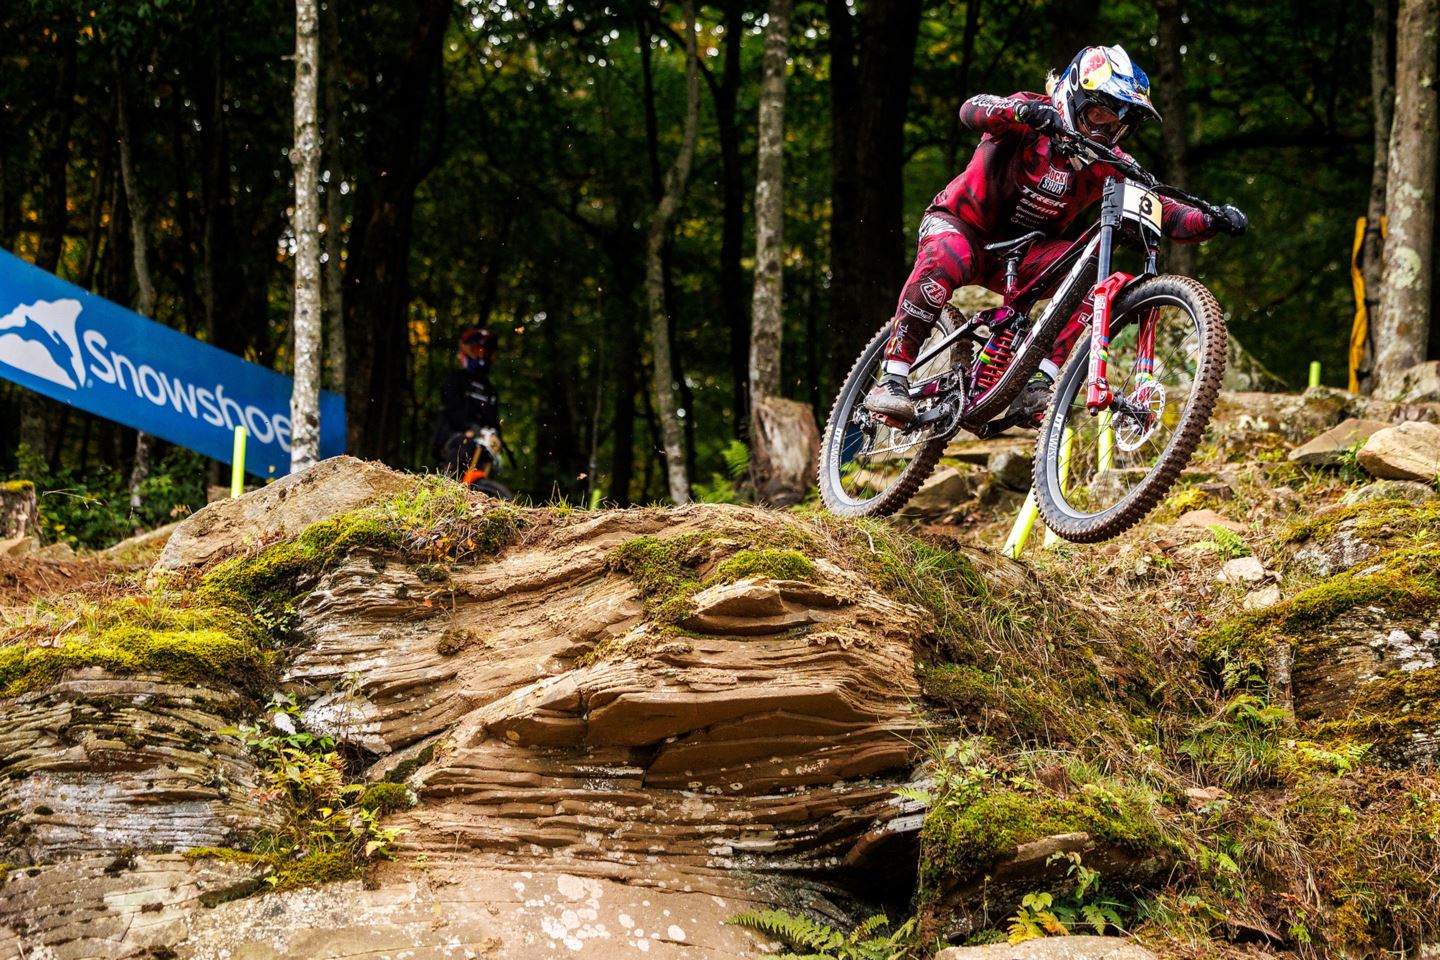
(1099, 397)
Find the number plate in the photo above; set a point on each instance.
(1142, 205)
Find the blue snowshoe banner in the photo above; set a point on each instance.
(83, 350)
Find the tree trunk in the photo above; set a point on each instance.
(17, 509)
(334, 212)
(732, 229)
(675, 183)
(868, 238)
(1372, 248)
(784, 445)
(1173, 105)
(397, 158)
(767, 320)
(1403, 330)
(783, 440)
(305, 158)
(140, 253)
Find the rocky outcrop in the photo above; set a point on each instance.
(1328, 449)
(1052, 948)
(98, 763)
(607, 754)
(162, 905)
(278, 511)
(1365, 638)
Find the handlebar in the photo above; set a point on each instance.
(1070, 143)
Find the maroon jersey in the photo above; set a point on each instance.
(1017, 182)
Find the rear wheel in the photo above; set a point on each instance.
(869, 468)
(1096, 476)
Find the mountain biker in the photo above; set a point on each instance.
(469, 403)
(1017, 182)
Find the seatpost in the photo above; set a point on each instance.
(1012, 269)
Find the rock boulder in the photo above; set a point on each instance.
(1328, 449)
(1409, 451)
(278, 511)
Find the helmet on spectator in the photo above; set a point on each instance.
(481, 339)
(1102, 94)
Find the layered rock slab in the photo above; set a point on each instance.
(162, 905)
(759, 730)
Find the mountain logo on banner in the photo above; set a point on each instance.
(40, 339)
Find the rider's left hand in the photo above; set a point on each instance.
(1232, 220)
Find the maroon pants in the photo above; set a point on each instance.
(951, 255)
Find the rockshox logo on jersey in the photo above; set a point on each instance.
(1056, 182)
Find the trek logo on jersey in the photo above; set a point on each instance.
(1055, 183)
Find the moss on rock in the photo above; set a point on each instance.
(386, 797)
(283, 568)
(1402, 581)
(962, 842)
(204, 650)
(323, 866)
(667, 570)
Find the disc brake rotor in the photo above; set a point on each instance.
(1130, 433)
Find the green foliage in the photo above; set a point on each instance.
(89, 505)
(330, 828)
(811, 940)
(737, 460)
(1226, 543)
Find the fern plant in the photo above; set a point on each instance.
(737, 459)
(811, 940)
(1227, 543)
(1042, 915)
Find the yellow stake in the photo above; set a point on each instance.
(237, 465)
(1024, 523)
(1107, 443)
(1067, 442)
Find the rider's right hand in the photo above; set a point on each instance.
(1232, 219)
(1040, 117)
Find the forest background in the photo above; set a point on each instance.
(498, 163)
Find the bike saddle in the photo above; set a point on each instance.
(1015, 248)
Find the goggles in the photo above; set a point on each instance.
(1104, 121)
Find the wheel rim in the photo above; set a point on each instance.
(869, 456)
(1104, 460)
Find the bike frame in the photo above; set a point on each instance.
(1108, 285)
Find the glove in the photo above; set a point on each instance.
(1040, 117)
(1232, 220)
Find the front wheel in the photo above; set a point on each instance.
(1097, 476)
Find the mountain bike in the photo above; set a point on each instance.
(1106, 452)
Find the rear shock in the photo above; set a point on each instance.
(994, 359)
